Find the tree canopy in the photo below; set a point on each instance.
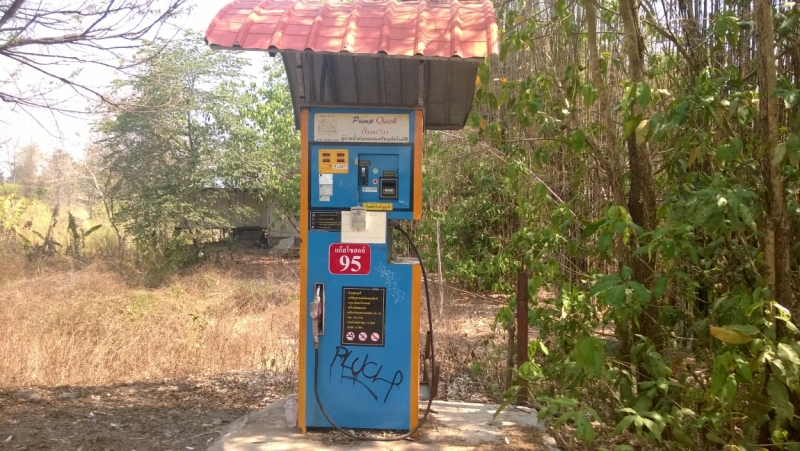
(184, 132)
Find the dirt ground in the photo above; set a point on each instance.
(186, 414)
(153, 415)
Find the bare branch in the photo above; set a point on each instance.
(38, 35)
(11, 11)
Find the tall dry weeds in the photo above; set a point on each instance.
(86, 326)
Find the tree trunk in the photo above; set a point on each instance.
(522, 328)
(642, 197)
(777, 231)
(777, 244)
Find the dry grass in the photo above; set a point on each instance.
(84, 326)
(66, 322)
(30, 216)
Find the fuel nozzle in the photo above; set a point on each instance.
(315, 310)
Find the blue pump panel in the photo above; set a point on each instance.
(364, 371)
(361, 173)
(366, 351)
(350, 189)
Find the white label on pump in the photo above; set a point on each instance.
(374, 233)
(325, 187)
(358, 218)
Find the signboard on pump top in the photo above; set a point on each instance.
(357, 127)
(349, 259)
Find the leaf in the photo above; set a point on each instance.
(747, 217)
(729, 389)
(660, 287)
(780, 152)
(589, 95)
(779, 399)
(590, 354)
(745, 115)
(643, 96)
(563, 418)
(743, 367)
(640, 292)
(583, 428)
(725, 152)
(785, 352)
(728, 336)
(791, 98)
(642, 130)
(748, 330)
(630, 126)
(625, 424)
(793, 147)
(89, 232)
(474, 119)
(508, 397)
(682, 437)
(578, 140)
(592, 228)
(616, 295)
(712, 437)
(483, 74)
(603, 284)
(654, 428)
(604, 242)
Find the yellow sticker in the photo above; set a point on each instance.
(378, 206)
(333, 161)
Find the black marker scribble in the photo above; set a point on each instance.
(367, 373)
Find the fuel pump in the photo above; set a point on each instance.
(360, 328)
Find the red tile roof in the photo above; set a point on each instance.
(429, 28)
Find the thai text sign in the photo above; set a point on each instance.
(363, 316)
(355, 127)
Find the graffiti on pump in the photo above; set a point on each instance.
(391, 285)
(364, 372)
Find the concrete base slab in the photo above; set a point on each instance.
(450, 425)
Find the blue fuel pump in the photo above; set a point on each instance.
(360, 339)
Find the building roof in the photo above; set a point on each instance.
(427, 28)
(378, 54)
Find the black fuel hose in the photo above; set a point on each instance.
(433, 363)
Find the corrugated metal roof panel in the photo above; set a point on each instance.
(444, 29)
(411, 54)
(444, 88)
